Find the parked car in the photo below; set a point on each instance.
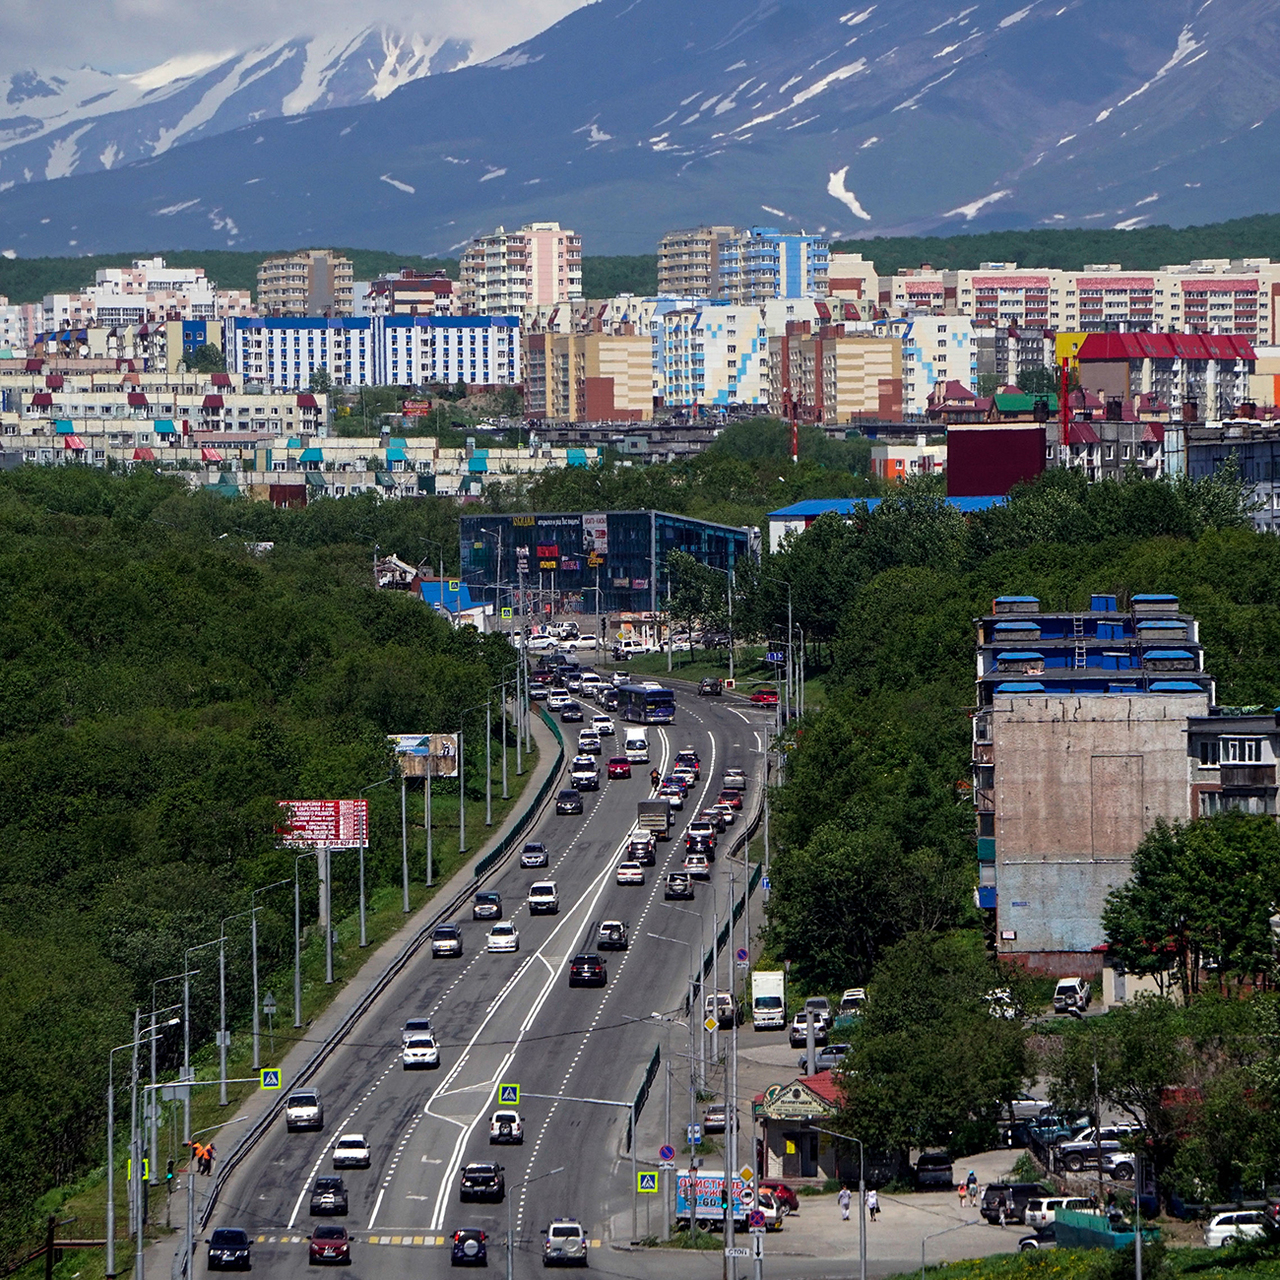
(798, 1034)
(230, 1249)
(1044, 1238)
(1016, 1195)
(782, 1193)
(329, 1244)
(1071, 993)
(1024, 1107)
(1083, 1150)
(1224, 1228)
(713, 1118)
(825, 1058)
(853, 1002)
(329, 1196)
(710, 687)
(1118, 1165)
(1040, 1210)
(468, 1248)
(934, 1169)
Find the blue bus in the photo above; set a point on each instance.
(646, 704)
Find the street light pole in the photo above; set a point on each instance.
(297, 937)
(253, 934)
(488, 760)
(404, 867)
(862, 1196)
(510, 1226)
(153, 1113)
(222, 1006)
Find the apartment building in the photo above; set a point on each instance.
(310, 282)
(482, 351)
(935, 349)
(894, 463)
(282, 352)
(825, 375)
(1080, 742)
(1201, 449)
(507, 271)
(588, 377)
(763, 263)
(1006, 352)
(851, 277)
(408, 293)
(689, 261)
(148, 292)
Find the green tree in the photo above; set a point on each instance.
(320, 381)
(206, 359)
(1039, 381)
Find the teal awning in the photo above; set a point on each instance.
(397, 455)
(478, 464)
(576, 458)
(312, 455)
(165, 427)
(386, 480)
(315, 479)
(64, 426)
(294, 442)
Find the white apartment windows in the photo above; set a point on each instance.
(1241, 750)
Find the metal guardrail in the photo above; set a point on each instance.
(642, 1094)
(256, 1131)
(740, 844)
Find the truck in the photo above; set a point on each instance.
(707, 1190)
(654, 816)
(768, 1002)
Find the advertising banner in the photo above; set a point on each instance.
(324, 824)
(595, 533)
(419, 751)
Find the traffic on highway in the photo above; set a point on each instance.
(487, 1091)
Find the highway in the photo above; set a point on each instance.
(512, 1018)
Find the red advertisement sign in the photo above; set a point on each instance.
(549, 552)
(324, 824)
(416, 408)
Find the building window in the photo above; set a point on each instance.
(1241, 751)
(1209, 754)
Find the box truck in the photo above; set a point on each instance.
(768, 1000)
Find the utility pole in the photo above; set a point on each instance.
(488, 760)
(462, 800)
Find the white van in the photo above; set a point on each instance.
(636, 745)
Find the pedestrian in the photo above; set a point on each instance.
(197, 1155)
(963, 1191)
(209, 1152)
(1002, 1206)
(844, 1200)
(971, 1184)
(873, 1204)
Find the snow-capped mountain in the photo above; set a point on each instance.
(53, 125)
(631, 117)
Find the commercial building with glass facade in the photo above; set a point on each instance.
(606, 562)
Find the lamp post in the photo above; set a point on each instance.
(862, 1194)
(253, 933)
(222, 1006)
(404, 859)
(186, 1064)
(728, 573)
(783, 582)
(960, 1226)
(700, 970)
(154, 1141)
(496, 535)
(524, 1182)
(297, 937)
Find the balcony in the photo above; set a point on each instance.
(1248, 777)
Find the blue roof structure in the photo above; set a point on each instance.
(847, 506)
(442, 595)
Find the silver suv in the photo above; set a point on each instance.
(543, 897)
(566, 1243)
(1082, 1151)
(303, 1110)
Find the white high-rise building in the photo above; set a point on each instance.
(506, 272)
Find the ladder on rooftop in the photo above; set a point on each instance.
(1077, 626)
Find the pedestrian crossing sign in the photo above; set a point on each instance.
(455, 585)
(270, 1077)
(647, 1182)
(506, 613)
(509, 1095)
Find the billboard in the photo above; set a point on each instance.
(595, 534)
(419, 751)
(324, 824)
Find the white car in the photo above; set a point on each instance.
(589, 742)
(558, 699)
(351, 1151)
(726, 810)
(603, 725)
(415, 1027)
(506, 1126)
(696, 866)
(544, 897)
(687, 772)
(630, 873)
(1223, 1228)
(503, 937)
(420, 1051)
(1039, 1213)
(534, 854)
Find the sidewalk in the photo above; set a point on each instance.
(169, 1250)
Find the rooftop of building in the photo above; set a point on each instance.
(848, 506)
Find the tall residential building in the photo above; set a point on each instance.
(588, 377)
(311, 282)
(1080, 742)
(282, 352)
(828, 376)
(851, 276)
(481, 351)
(765, 263)
(13, 328)
(934, 349)
(409, 293)
(689, 261)
(506, 272)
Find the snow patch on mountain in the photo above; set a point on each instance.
(837, 188)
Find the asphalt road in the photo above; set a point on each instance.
(511, 1018)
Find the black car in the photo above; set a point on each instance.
(679, 887)
(641, 851)
(329, 1196)
(695, 843)
(933, 1168)
(609, 700)
(487, 905)
(1042, 1239)
(587, 970)
(483, 1182)
(571, 713)
(1016, 1195)
(568, 801)
(229, 1249)
(469, 1248)
(710, 688)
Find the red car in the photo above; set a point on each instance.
(731, 798)
(782, 1193)
(619, 767)
(765, 697)
(329, 1244)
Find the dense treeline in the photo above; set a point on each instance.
(161, 688)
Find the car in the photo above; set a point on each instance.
(329, 1244)
(1118, 1165)
(420, 1051)
(716, 820)
(825, 1058)
(731, 797)
(684, 774)
(587, 969)
(629, 873)
(688, 758)
(541, 644)
(329, 1196)
(774, 1211)
(565, 1243)
(725, 812)
(487, 905)
(1024, 1107)
(1001, 1004)
(700, 833)
(589, 744)
(609, 699)
(853, 1002)
(710, 687)
(1083, 1150)
(1071, 994)
(734, 780)
(678, 888)
(697, 867)
(682, 781)
(446, 940)
(798, 1033)
(587, 641)
(585, 774)
(640, 848)
(351, 1151)
(568, 802)
(230, 1250)
(619, 767)
(483, 1180)
(506, 1127)
(765, 697)
(534, 854)
(303, 1110)
(782, 1193)
(538, 693)
(713, 1118)
(572, 681)
(673, 794)
(415, 1027)
(1016, 1195)
(544, 898)
(468, 1248)
(558, 698)
(612, 935)
(503, 937)
(819, 1005)
(571, 713)
(1243, 1224)
(1043, 1238)
(1040, 1210)
(934, 1169)
(604, 726)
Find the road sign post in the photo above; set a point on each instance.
(647, 1183)
(666, 1154)
(695, 1135)
(269, 1078)
(509, 1095)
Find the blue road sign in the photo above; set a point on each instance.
(756, 1220)
(695, 1134)
(646, 1182)
(269, 1078)
(775, 657)
(666, 1153)
(509, 1095)
(765, 883)
(743, 955)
